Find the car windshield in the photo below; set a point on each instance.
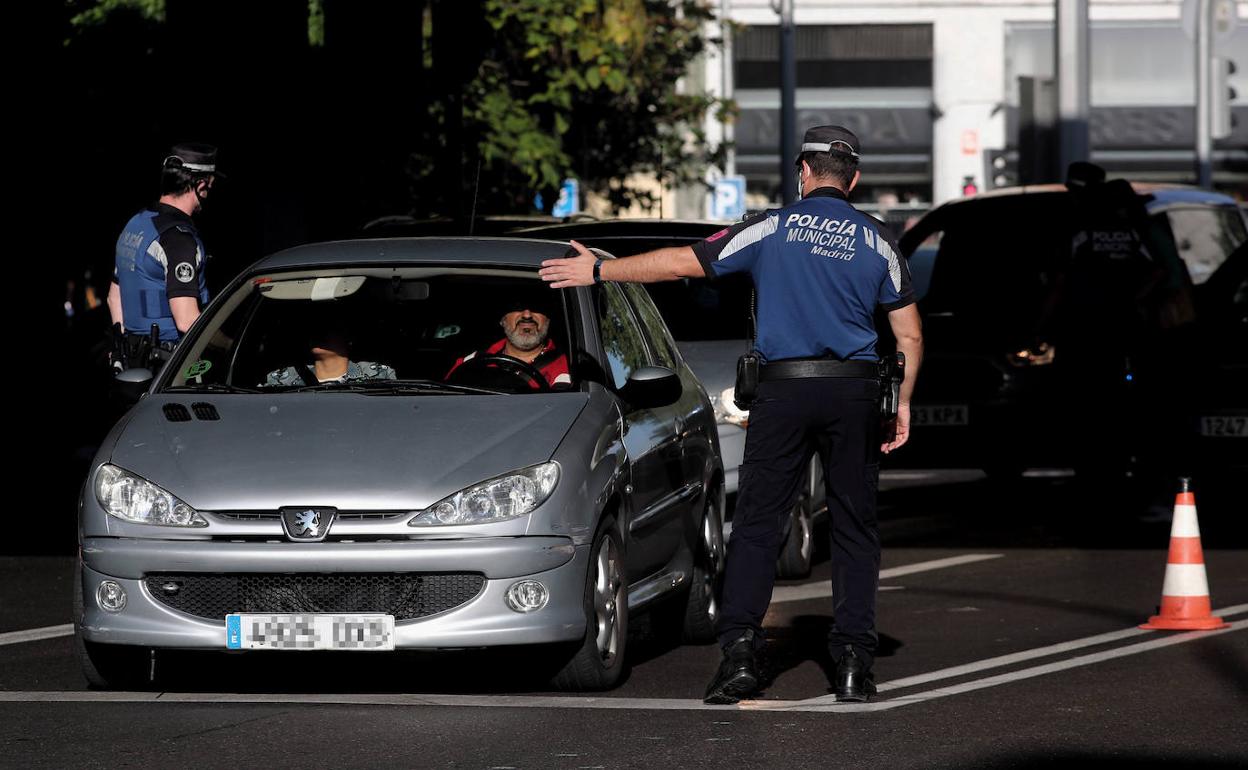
(1205, 236)
(381, 330)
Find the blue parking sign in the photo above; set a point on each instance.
(569, 199)
(728, 198)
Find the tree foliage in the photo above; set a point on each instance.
(588, 88)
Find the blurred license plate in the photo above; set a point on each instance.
(309, 632)
(939, 414)
(1225, 425)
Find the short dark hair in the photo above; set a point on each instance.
(175, 180)
(837, 166)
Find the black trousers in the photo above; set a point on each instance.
(790, 419)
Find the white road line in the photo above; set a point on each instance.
(819, 704)
(35, 634)
(1039, 652)
(823, 589)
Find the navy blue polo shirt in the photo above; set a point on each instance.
(820, 268)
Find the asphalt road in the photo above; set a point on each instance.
(1007, 615)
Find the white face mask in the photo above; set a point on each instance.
(800, 192)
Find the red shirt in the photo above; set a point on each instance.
(555, 370)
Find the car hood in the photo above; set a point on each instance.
(349, 451)
(714, 362)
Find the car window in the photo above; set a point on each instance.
(699, 310)
(383, 323)
(660, 339)
(1205, 236)
(621, 338)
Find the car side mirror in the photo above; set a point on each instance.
(651, 386)
(131, 384)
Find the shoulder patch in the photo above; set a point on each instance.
(185, 272)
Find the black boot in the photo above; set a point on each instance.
(737, 676)
(854, 682)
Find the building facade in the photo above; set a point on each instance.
(939, 90)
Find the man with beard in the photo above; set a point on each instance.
(526, 329)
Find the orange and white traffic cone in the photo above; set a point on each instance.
(1185, 593)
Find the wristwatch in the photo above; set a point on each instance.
(598, 270)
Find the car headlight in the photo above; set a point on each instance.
(726, 411)
(505, 497)
(130, 498)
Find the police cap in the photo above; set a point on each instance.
(194, 157)
(836, 139)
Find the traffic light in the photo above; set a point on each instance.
(1221, 120)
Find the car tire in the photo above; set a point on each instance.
(106, 666)
(599, 659)
(701, 604)
(797, 552)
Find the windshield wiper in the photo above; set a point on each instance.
(210, 387)
(430, 386)
(390, 387)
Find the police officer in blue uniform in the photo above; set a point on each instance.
(158, 276)
(820, 268)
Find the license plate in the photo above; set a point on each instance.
(309, 632)
(939, 414)
(1224, 425)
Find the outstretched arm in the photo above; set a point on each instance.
(658, 265)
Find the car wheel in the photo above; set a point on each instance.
(599, 660)
(106, 666)
(798, 550)
(702, 600)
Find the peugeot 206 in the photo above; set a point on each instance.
(405, 444)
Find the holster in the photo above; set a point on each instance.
(746, 389)
(892, 374)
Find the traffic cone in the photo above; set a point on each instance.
(1185, 592)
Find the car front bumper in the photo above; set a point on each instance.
(483, 621)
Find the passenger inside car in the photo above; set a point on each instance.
(330, 349)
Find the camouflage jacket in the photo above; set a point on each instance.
(356, 370)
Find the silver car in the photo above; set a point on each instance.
(248, 503)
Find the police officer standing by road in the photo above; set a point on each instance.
(158, 276)
(820, 268)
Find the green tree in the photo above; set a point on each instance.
(588, 88)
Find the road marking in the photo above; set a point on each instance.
(35, 634)
(824, 704)
(822, 589)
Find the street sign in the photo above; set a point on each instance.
(569, 201)
(728, 198)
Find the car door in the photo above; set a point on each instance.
(650, 437)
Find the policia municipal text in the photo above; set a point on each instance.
(820, 268)
(158, 277)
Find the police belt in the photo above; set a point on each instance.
(799, 368)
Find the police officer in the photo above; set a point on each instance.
(820, 269)
(158, 277)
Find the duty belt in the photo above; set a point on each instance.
(816, 367)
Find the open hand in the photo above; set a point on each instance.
(566, 272)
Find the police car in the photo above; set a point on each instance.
(986, 395)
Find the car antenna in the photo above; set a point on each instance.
(476, 188)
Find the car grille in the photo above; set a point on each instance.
(404, 595)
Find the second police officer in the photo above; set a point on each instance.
(820, 268)
(158, 277)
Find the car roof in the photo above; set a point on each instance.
(503, 252)
(1157, 197)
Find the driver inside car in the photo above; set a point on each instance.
(331, 362)
(526, 330)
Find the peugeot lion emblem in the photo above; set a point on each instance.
(307, 524)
